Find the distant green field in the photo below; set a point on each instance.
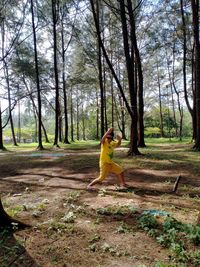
(89, 144)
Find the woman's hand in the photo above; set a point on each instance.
(118, 137)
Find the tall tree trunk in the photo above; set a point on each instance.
(195, 19)
(100, 69)
(72, 117)
(132, 90)
(97, 115)
(120, 116)
(5, 69)
(77, 118)
(83, 123)
(180, 109)
(66, 131)
(19, 117)
(171, 82)
(60, 128)
(40, 146)
(112, 101)
(160, 102)
(141, 142)
(35, 110)
(192, 111)
(194, 97)
(57, 104)
(1, 131)
(134, 149)
(105, 97)
(9, 104)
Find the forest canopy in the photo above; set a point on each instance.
(72, 69)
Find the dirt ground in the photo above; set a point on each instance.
(68, 226)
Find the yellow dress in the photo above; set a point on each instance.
(106, 163)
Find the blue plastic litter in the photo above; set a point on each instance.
(155, 212)
(43, 155)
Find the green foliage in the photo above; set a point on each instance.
(171, 223)
(173, 235)
(14, 211)
(147, 222)
(160, 264)
(116, 210)
(152, 132)
(193, 233)
(167, 238)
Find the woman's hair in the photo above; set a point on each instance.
(112, 134)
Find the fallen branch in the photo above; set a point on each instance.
(176, 184)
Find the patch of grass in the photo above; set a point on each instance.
(158, 141)
(72, 197)
(8, 249)
(123, 228)
(56, 226)
(116, 210)
(160, 264)
(174, 235)
(15, 211)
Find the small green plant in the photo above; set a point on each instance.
(72, 197)
(160, 264)
(167, 238)
(179, 251)
(193, 233)
(94, 238)
(117, 210)
(102, 192)
(69, 217)
(93, 247)
(14, 211)
(194, 257)
(170, 223)
(153, 232)
(147, 222)
(107, 248)
(123, 228)
(41, 207)
(93, 242)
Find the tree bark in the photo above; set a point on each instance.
(141, 142)
(100, 69)
(1, 131)
(7, 221)
(57, 103)
(97, 115)
(160, 103)
(66, 131)
(9, 105)
(132, 90)
(195, 20)
(192, 111)
(72, 117)
(40, 146)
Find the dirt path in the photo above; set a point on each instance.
(48, 190)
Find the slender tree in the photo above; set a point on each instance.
(40, 145)
(133, 144)
(141, 142)
(130, 72)
(195, 20)
(185, 50)
(55, 4)
(100, 69)
(1, 131)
